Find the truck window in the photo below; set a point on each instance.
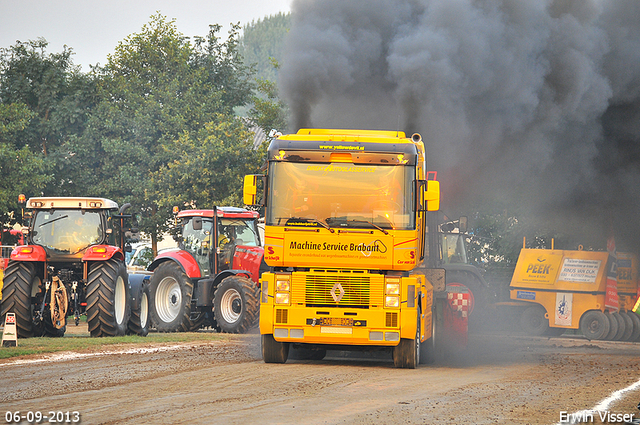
(342, 194)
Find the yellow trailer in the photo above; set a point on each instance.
(561, 289)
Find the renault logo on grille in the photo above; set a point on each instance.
(337, 288)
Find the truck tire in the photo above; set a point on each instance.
(272, 350)
(533, 321)
(594, 325)
(235, 304)
(406, 354)
(108, 299)
(613, 327)
(139, 320)
(19, 278)
(170, 292)
(635, 319)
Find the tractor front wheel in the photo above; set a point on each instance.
(235, 304)
(170, 291)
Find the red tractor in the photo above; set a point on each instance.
(73, 263)
(211, 279)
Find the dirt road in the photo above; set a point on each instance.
(502, 380)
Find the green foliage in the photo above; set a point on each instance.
(262, 44)
(268, 111)
(155, 126)
(156, 92)
(209, 165)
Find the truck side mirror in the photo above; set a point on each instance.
(250, 192)
(432, 195)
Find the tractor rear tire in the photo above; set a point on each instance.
(235, 305)
(108, 299)
(170, 291)
(533, 321)
(19, 278)
(272, 350)
(139, 320)
(594, 325)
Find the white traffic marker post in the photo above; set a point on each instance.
(10, 334)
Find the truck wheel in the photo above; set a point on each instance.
(636, 325)
(428, 348)
(613, 327)
(407, 353)
(19, 279)
(594, 324)
(272, 350)
(170, 291)
(235, 304)
(139, 321)
(621, 326)
(108, 299)
(533, 321)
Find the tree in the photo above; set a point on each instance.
(156, 92)
(262, 43)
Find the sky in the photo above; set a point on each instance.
(93, 28)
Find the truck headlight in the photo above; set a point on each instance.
(392, 301)
(392, 289)
(282, 298)
(282, 285)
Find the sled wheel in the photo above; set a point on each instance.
(533, 321)
(594, 324)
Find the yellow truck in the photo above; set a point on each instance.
(562, 289)
(345, 238)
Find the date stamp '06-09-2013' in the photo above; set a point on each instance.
(50, 417)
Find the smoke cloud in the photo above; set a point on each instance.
(528, 103)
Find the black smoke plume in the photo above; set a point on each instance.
(522, 102)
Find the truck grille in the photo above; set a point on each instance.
(361, 290)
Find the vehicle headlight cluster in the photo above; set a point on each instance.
(283, 288)
(392, 293)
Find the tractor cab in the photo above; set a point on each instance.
(212, 237)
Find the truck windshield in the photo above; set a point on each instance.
(341, 195)
(67, 230)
